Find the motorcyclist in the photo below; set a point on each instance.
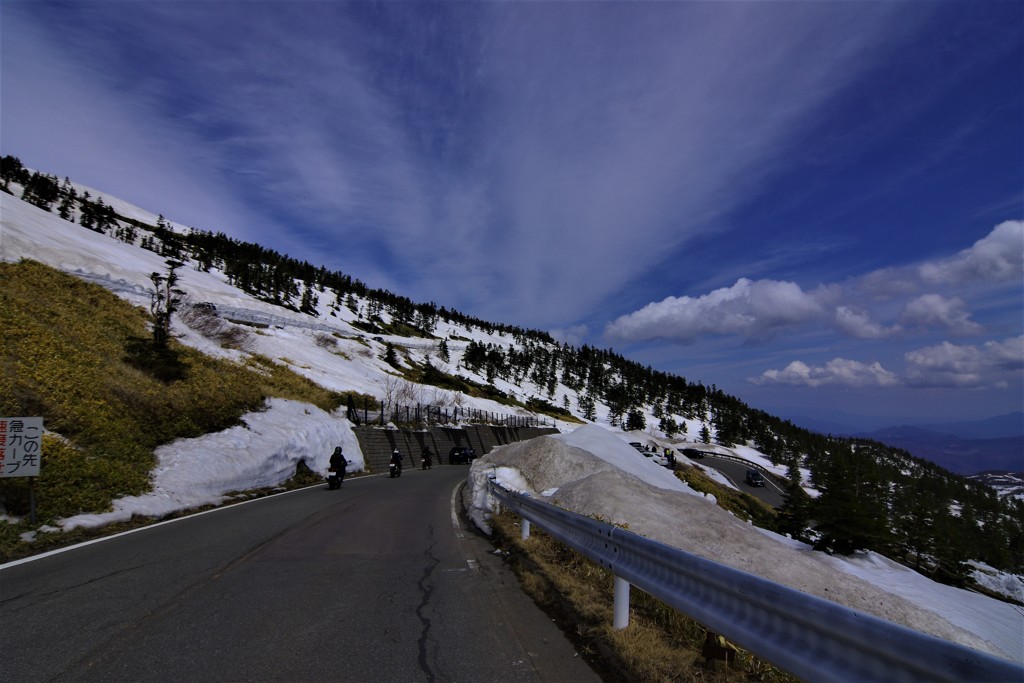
(338, 463)
(396, 459)
(428, 458)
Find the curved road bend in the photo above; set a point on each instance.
(376, 582)
(737, 473)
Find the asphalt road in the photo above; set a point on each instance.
(770, 493)
(376, 582)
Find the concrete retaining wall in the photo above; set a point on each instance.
(378, 443)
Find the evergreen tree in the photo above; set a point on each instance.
(668, 426)
(795, 513)
(389, 356)
(635, 421)
(850, 513)
(164, 302)
(309, 301)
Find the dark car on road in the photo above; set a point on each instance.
(461, 455)
(754, 478)
(693, 453)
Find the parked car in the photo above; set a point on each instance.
(461, 455)
(754, 478)
(637, 445)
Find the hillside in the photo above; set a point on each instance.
(345, 338)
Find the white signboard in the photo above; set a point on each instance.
(21, 446)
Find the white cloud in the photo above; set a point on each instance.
(934, 310)
(859, 324)
(838, 371)
(573, 335)
(756, 309)
(993, 364)
(997, 257)
(748, 308)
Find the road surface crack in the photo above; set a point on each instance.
(426, 588)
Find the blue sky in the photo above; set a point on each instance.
(816, 206)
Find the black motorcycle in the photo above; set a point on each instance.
(395, 470)
(333, 479)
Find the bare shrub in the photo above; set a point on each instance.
(441, 398)
(203, 320)
(235, 337)
(325, 340)
(409, 393)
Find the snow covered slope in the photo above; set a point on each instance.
(591, 470)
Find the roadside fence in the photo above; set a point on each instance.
(428, 415)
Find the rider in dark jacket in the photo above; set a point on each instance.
(339, 463)
(396, 459)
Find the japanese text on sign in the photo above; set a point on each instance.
(21, 440)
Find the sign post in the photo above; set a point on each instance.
(21, 450)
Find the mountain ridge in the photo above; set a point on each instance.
(898, 495)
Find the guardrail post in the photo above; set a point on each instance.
(620, 617)
(525, 533)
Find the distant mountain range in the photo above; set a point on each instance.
(993, 444)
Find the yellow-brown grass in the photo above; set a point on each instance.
(660, 645)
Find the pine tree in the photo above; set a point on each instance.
(851, 514)
(635, 421)
(164, 301)
(795, 513)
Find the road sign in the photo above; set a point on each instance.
(21, 446)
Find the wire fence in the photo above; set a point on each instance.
(427, 415)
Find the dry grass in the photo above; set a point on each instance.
(80, 357)
(659, 646)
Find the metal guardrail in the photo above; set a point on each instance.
(811, 638)
(776, 479)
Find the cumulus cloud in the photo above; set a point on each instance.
(934, 310)
(836, 372)
(761, 308)
(748, 308)
(998, 257)
(994, 259)
(859, 324)
(991, 365)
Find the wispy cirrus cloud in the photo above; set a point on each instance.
(402, 141)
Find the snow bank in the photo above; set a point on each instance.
(265, 452)
(593, 472)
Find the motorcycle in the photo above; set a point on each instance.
(333, 479)
(395, 470)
